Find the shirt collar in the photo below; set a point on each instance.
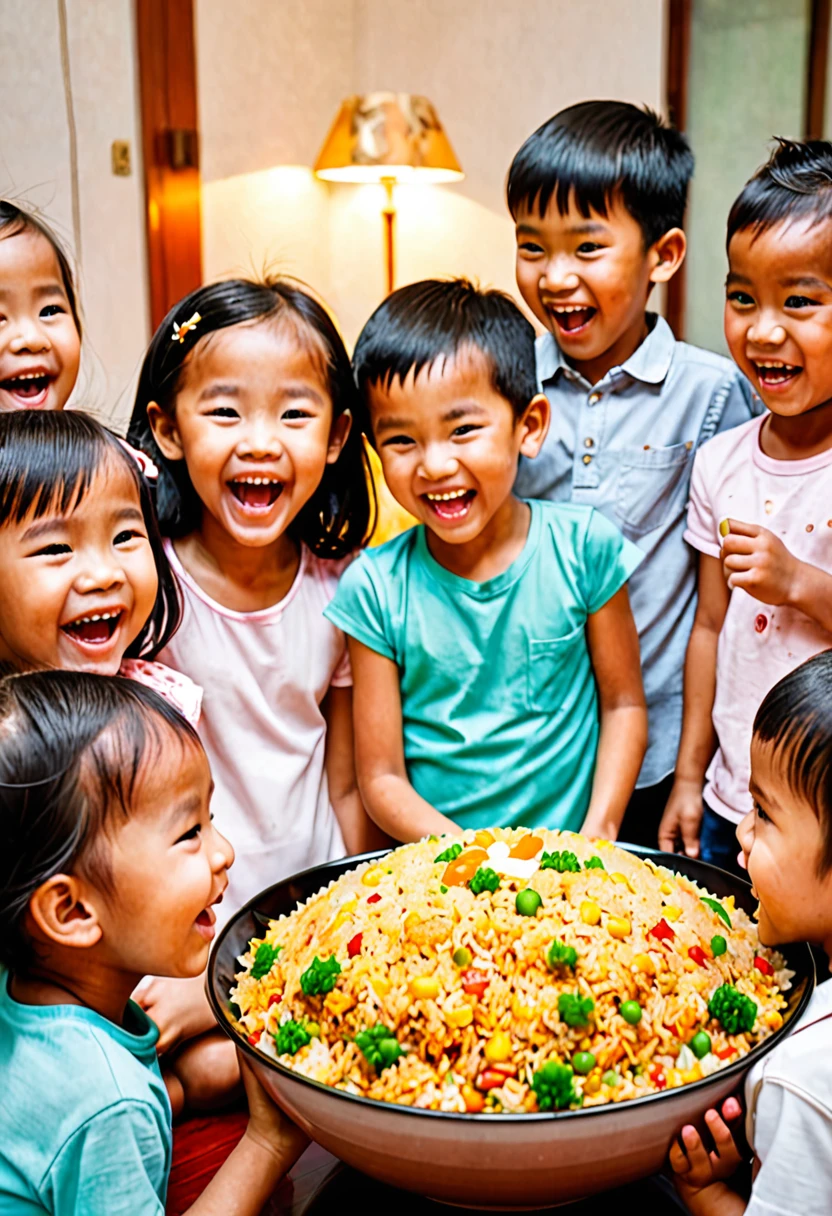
(649, 362)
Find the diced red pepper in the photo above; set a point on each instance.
(254, 1039)
(490, 1079)
(662, 931)
(354, 945)
(657, 1077)
(763, 965)
(374, 899)
(698, 955)
(725, 1053)
(275, 999)
(474, 982)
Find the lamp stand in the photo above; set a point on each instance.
(388, 214)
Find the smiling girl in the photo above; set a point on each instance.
(40, 327)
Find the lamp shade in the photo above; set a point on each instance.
(387, 137)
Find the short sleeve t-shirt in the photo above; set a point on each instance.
(264, 675)
(759, 643)
(498, 696)
(85, 1121)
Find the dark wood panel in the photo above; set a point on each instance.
(678, 58)
(817, 68)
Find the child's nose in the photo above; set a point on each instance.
(29, 335)
(223, 854)
(438, 461)
(559, 275)
(259, 442)
(767, 330)
(99, 574)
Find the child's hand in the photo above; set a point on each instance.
(682, 817)
(178, 1007)
(267, 1124)
(695, 1168)
(758, 562)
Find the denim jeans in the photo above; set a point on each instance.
(718, 843)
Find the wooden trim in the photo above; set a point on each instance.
(170, 144)
(678, 61)
(818, 57)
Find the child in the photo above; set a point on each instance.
(40, 328)
(787, 845)
(760, 498)
(477, 639)
(598, 198)
(110, 867)
(245, 400)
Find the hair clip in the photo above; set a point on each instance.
(179, 331)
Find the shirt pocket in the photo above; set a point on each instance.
(553, 664)
(652, 486)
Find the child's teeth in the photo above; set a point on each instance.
(447, 497)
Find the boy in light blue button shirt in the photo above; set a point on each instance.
(598, 197)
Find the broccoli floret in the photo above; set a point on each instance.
(264, 960)
(554, 1087)
(484, 880)
(561, 862)
(575, 1009)
(320, 977)
(450, 854)
(290, 1037)
(735, 1012)
(560, 955)
(594, 863)
(379, 1046)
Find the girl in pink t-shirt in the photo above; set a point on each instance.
(246, 402)
(760, 513)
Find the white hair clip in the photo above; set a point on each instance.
(179, 331)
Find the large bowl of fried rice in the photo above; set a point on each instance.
(505, 1018)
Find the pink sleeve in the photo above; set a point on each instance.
(702, 532)
(342, 675)
(176, 688)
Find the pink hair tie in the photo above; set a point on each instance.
(144, 462)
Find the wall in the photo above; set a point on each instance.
(35, 171)
(270, 86)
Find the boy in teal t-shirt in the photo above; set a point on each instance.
(494, 654)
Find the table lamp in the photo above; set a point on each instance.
(388, 138)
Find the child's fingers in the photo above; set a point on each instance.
(739, 544)
(738, 528)
(698, 1156)
(740, 562)
(727, 1155)
(678, 1160)
(731, 1108)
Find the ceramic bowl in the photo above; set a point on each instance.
(496, 1161)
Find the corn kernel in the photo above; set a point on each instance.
(498, 1048)
(411, 921)
(338, 1002)
(593, 1084)
(773, 1019)
(585, 1044)
(590, 912)
(674, 1078)
(424, 988)
(463, 1016)
(644, 963)
(687, 1019)
(671, 912)
(341, 919)
(692, 1074)
(667, 888)
(484, 839)
(621, 879)
(618, 926)
(382, 986)
(371, 877)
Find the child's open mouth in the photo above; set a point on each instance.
(205, 923)
(451, 505)
(94, 630)
(572, 317)
(28, 390)
(256, 493)
(776, 375)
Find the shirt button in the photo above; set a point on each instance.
(589, 442)
(587, 459)
(594, 398)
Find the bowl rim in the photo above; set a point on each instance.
(521, 1119)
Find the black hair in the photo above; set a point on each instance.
(598, 151)
(14, 220)
(794, 183)
(336, 519)
(436, 320)
(72, 749)
(48, 461)
(795, 719)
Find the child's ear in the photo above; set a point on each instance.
(63, 914)
(165, 432)
(338, 436)
(534, 425)
(667, 255)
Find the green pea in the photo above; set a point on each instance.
(718, 945)
(610, 1078)
(700, 1044)
(389, 1050)
(443, 889)
(583, 1062)
(631, 1012)
(462, 957)
(527, 902)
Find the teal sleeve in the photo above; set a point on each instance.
(360, 607)
(608, 561)
(115, 1164)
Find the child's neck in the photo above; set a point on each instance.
(92, 985)
(624, 346)
(491, 552)
(240, 577)
(799, 437)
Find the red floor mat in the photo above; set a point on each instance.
(200, 1146)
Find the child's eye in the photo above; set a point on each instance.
(530, 247)
(398, 441)
(191, 834)
(760, 813)
(294, 414)
(55, 550)
(800, 302)
(589, 247)
(127, 535)
(223, 411)
(741, 298)
(52, 310)
(466, 429)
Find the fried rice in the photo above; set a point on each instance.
(509, 971)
